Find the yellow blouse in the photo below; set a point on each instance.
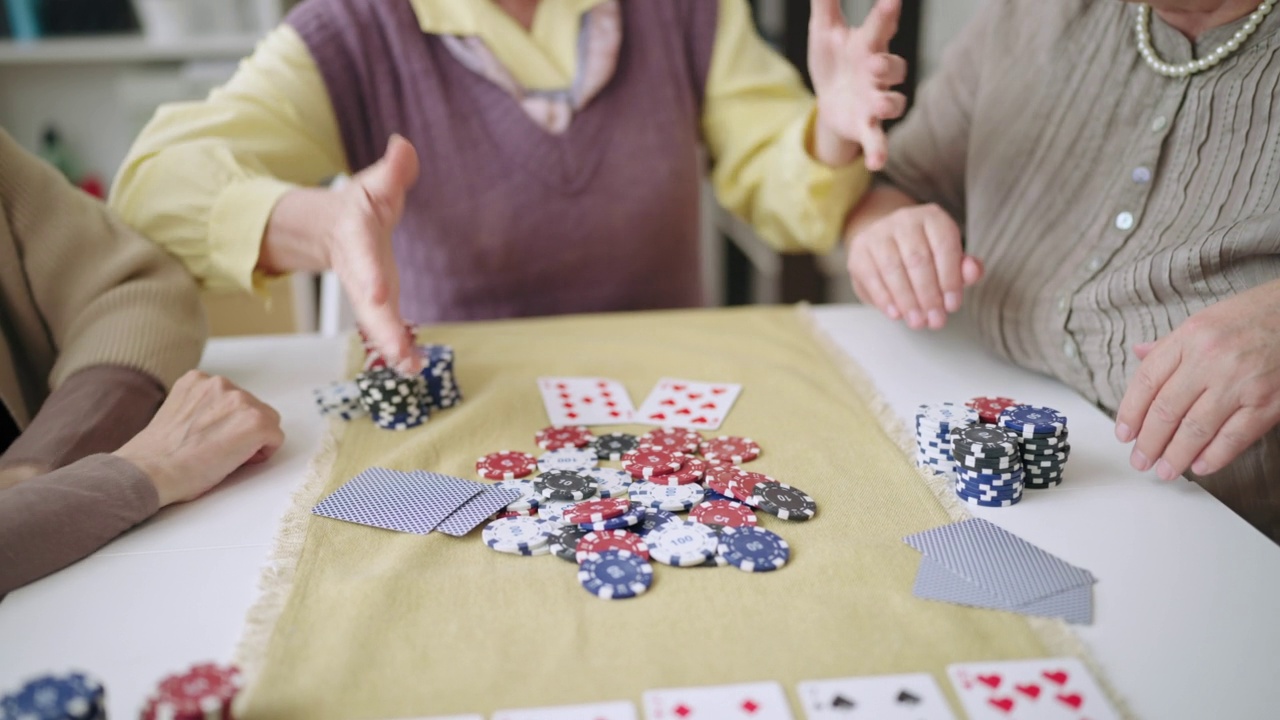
(203, 177)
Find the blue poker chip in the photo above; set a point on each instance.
(710, 495)
(993, 503)
(651, 519)
(1043, 485)
(75, 696)
(1030, 421)
(989, 480)
(1004, 494)
(615, 574)
(753, 549)
(627, 520)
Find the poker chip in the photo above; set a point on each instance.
(708, 495)
(988, 482)
(723, 513)
(613, 445)
(563, 543)
(553, 510)
(555, 438)
(596, 510)
(647, 461)
(945, 416)
(983, 441)
(989, 408)
(730, 449)
(651, 519)
(784, 501)
(386, 391)
(612, 483)
(993, 503)
(340, 399)
(1042, 485)
(625, 521)
(530, 512)
(1045, 442)
(437, 374)
(1030, 421)
(528, 499)
(672, 498)
(506, 465)
(681, 543)
(615, 575)
(204, 691)
(571, 459)
(598, 541)
(1044, 461)
(518, 535)
(691, 471)
(75, 696)
(719, 477)
(564, 485)
(743, 484)
(1003, 465)
(753, 549)
(673, 440)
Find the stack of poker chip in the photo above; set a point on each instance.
(394, 402)
(612, 523)
(934, 425)
(1042, 436)
(204, 692)
(75, 696)
(988, 466)
(437, 373)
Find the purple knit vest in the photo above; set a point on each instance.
(507, 220)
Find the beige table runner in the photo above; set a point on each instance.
(358, 622)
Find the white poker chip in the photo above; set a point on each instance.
(518, 534)
(528, 499)
(553, 510)
(682, 543)
(672, 498)
(613, 483)
(945, 415)
(341, 399)
(571, 459)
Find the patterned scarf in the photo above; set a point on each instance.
(598, 45)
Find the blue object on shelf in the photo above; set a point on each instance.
(24, 19)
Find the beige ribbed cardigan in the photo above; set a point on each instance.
(1109, 203)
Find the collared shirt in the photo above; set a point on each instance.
(203, 177)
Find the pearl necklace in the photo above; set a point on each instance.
(1143, 31)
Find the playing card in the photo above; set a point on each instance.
(993, 558)
(753, 701)
(880, 697)
(935, 582)
(688, 404)
(478, 509)
(595, 711)
(585, 401)
(405, 502)
(1047, 689)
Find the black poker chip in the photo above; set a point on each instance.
(564, 543)
(984, 441)
(614, 445)
(786, 502)
(565, 485)
(988, 465)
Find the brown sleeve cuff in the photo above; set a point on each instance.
(51, 521)
(96, 410)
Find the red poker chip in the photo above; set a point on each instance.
(598, 541)
(728, 449)
(724, 513)
(645, 462)
(506, 465)
(673, 439)
(744, 484)
(691, 471)
(531, 512)
(593, 511)
(989, 408)
(720, 478)
(557, 438)
(204, 691)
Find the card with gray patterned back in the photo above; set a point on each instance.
(935, 582)
(405, 502)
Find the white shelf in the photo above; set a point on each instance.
(123, 49)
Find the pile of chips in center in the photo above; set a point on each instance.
(617, 523)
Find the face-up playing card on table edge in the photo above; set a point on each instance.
(478, 509)
(751, 701)
(405, 502)
(878, 697)
(935, 582)
(1045, 689)
(995, 559)
(688, 404)
(620, 710)
(585, 401)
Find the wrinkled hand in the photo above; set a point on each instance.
(911, 265)
(204, 431)
(852, 74)
(360, 252)
(1208, 390)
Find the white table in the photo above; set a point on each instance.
(1186, 623)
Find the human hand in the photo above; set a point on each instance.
(204, 431)
(852, 72)
(1208, 390)
(911, 265)
(360, 252)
